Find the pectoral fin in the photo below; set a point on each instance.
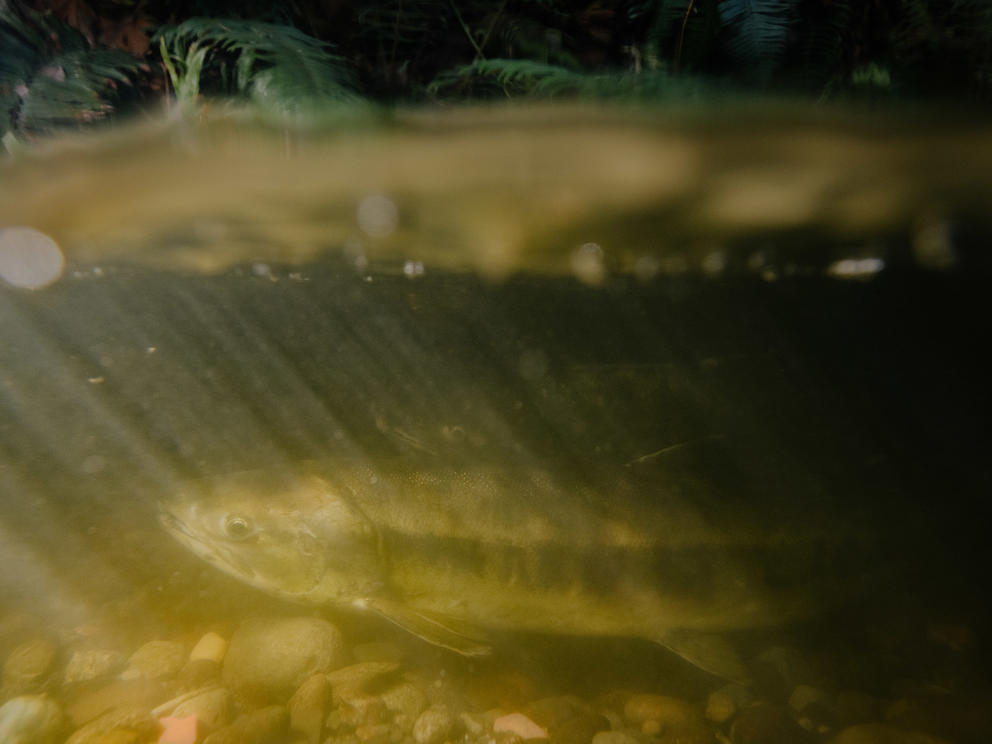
(711, 653)
(440, 630)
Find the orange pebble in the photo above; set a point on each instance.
(178, 730)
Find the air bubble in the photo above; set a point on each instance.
(29, 258)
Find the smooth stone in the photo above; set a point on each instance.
(580, 729)
(405, 699)
(356, 708)
(307, 708)
(379, 733)
(157, 660)
(30, 719)
(667, 717)
(474, 724)
(88, 664)
(179, 729)
(763, 722)
(854, 706)
(198, 673)
(124, 725)
(433, 725)
(135, 694)
(210, 647)
(567, 719)
(779, 669)
(377, 651)
(723, 704)
(362, 676)
(804, 696)
(879, 733)
(28, 664)
(212, 708)
(615, 737)
(965, 717)
(269, 658)
(257, 727)
(519, 725)
(551, 712)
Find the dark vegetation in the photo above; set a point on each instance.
(71, 62)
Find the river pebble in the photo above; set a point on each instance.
(257, 727)
(406, 699)
(307, 708)
(667, 718)
(854, 706)
(120, 726)
(30, 719)
(519, 725)
(269, 658)
(88, 664)
(139, 694)
(28, 666)
(377, 651)
(433, 725)
(212, 708)
(762, 723)
(210, 647)
(156, 660)
(723, 704)
(779, 669)
(567, 719)
(877, 733)
(959, 718)
(363, 676)
(615, 737)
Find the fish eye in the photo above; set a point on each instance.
(237, 527)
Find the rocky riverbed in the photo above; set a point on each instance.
(278, 675)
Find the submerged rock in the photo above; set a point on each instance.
(134, 694)
(362, 676)
(723, 704)
(308, 706)
(670, 719)
(615, 737)
(406, 700)
(763, 722)
(878, 733)
(269, 658)
(28, 666)
(121, 726)
(567, 719)
(261, 726)
(212, 708)
(433, 725)
(88, 664)
(156, 660)
(210, 647)
(30, 719)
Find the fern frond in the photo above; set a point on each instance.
(759, 29)
(520, 77)
(51, 77)
(277, 65)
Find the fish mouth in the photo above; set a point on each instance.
(207, 550)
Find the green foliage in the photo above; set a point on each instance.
(943, 47)
(277, 66)
(517, 77)
(51, 77)
(758, 31)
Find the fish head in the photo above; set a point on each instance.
(291, 536)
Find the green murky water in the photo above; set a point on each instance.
(778, 323)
